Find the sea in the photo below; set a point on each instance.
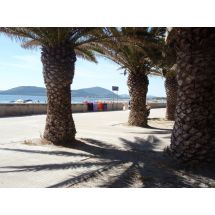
(43, 99)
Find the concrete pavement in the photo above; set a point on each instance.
(27, 165)
(15, 129)
(110, 154)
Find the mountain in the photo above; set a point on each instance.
(25, 90)
(124, 96)
(40, 91)
(93, 92)
(97, 92)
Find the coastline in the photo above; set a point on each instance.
(8, 99)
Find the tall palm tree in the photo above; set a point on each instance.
(59, 48)
(193, 138)
(171, 93)
(171, 86)
(135, 50)
(166, 67)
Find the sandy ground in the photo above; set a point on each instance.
(109, 154)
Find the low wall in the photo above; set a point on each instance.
(79, 108)
(21, 109)
(115, 106)
(33, 109)
(151, 104)
(156, 105)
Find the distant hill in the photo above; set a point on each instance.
(124, 96)
(93, 92)
(25, 90)
(97, 92)
(40, 91)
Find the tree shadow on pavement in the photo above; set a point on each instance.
(56, 153)
(137, 164)
(156, 130)
(152, 132)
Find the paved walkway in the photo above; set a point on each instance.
(110, 154)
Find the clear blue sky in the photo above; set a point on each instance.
(20, 67)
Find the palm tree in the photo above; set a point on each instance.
(135, 50)
(166, 67)
(171, 93)
(193, 133)
(59, 48)
(171, 86)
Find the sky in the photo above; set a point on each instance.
(21, 67)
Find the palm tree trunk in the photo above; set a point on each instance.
(138, 88)
(171, 93)
(193, 136)
(58, 71)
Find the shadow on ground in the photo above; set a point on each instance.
(136, 164)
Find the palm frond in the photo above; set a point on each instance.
(86, 54)
(31, 44)
(83, 40)
(135, 49)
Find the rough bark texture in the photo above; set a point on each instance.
(138, 87)
(193, 137)
(171, 93)
(58, 71)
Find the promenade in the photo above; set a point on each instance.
(110, 154)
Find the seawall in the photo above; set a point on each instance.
(7, 110)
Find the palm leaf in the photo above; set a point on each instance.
(85, 54)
